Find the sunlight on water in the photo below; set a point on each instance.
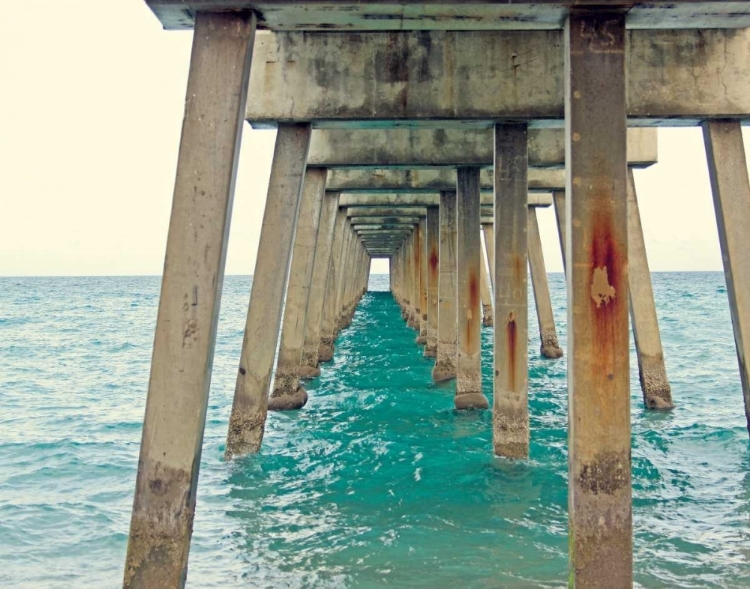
(377, 480)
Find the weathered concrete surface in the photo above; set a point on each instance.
(309, 367)
(731, 191)
(675, 77)
(469, 393)
(599, 493)
(377, 149)
(384, 220)
(433, 269)
(428, 181)
(423, 277)
(488, 230)
(550, 347)
(417, 254)
(445, 360)
(344, 277)
(162, 519)
(407, 200)
(248, 418)
(487, 317)
(328, 328)
(287, 392)
(376, 211)
(477, 15)
(510, 418)
(559, 198)
(657, 394)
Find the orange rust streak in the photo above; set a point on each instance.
(472, 323)
(511, 330)
(433, 260)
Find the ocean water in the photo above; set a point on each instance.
(377, 481)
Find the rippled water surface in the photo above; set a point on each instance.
(377, 481)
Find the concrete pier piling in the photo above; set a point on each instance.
(423, 278)
(727, 166)
(287, 392)
(599, 501)
(309, 367)
(488, 231)
(652, 373)
(485, 290)
(433, 269)
(469, 393)
(250, 406)
(447, 347)
(417, 251)
(328, 328)
(550, 347)
(164, 505)
(510, 419)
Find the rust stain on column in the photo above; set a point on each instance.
(511, 331)
(472, 315)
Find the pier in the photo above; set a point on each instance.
(416, 131)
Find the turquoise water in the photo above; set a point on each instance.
(377, 481)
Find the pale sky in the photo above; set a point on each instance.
(92, 101)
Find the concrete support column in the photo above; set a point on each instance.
(417, 273)
(328, 329)
(600, 511)
(318, 287)
(287, 392)
(433, 260)
(445, 359)
(731, 190)
(657, 394)
(423, 278)
(558, 198)
(485, 289)
(469, 358)
(412, 277)
(550, 348)
(489, 244)
(248, 418)
(344, 277)
(162, 519)
(510, 432)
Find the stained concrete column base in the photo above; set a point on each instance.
(308, 372)
(429, 352)
(443, 372)
(487, 319)
(514, 441)
(309, 366)
(326, 349)
(467, 401)
(281, 401)
(246, 427)
(550, 348)
(657, 394)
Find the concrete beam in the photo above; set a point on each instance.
(415, 148)
(429, 180)
(405, 201)
(384, 220)
(673, 77)
(373, 15)
(388, 226)
(386, 212)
